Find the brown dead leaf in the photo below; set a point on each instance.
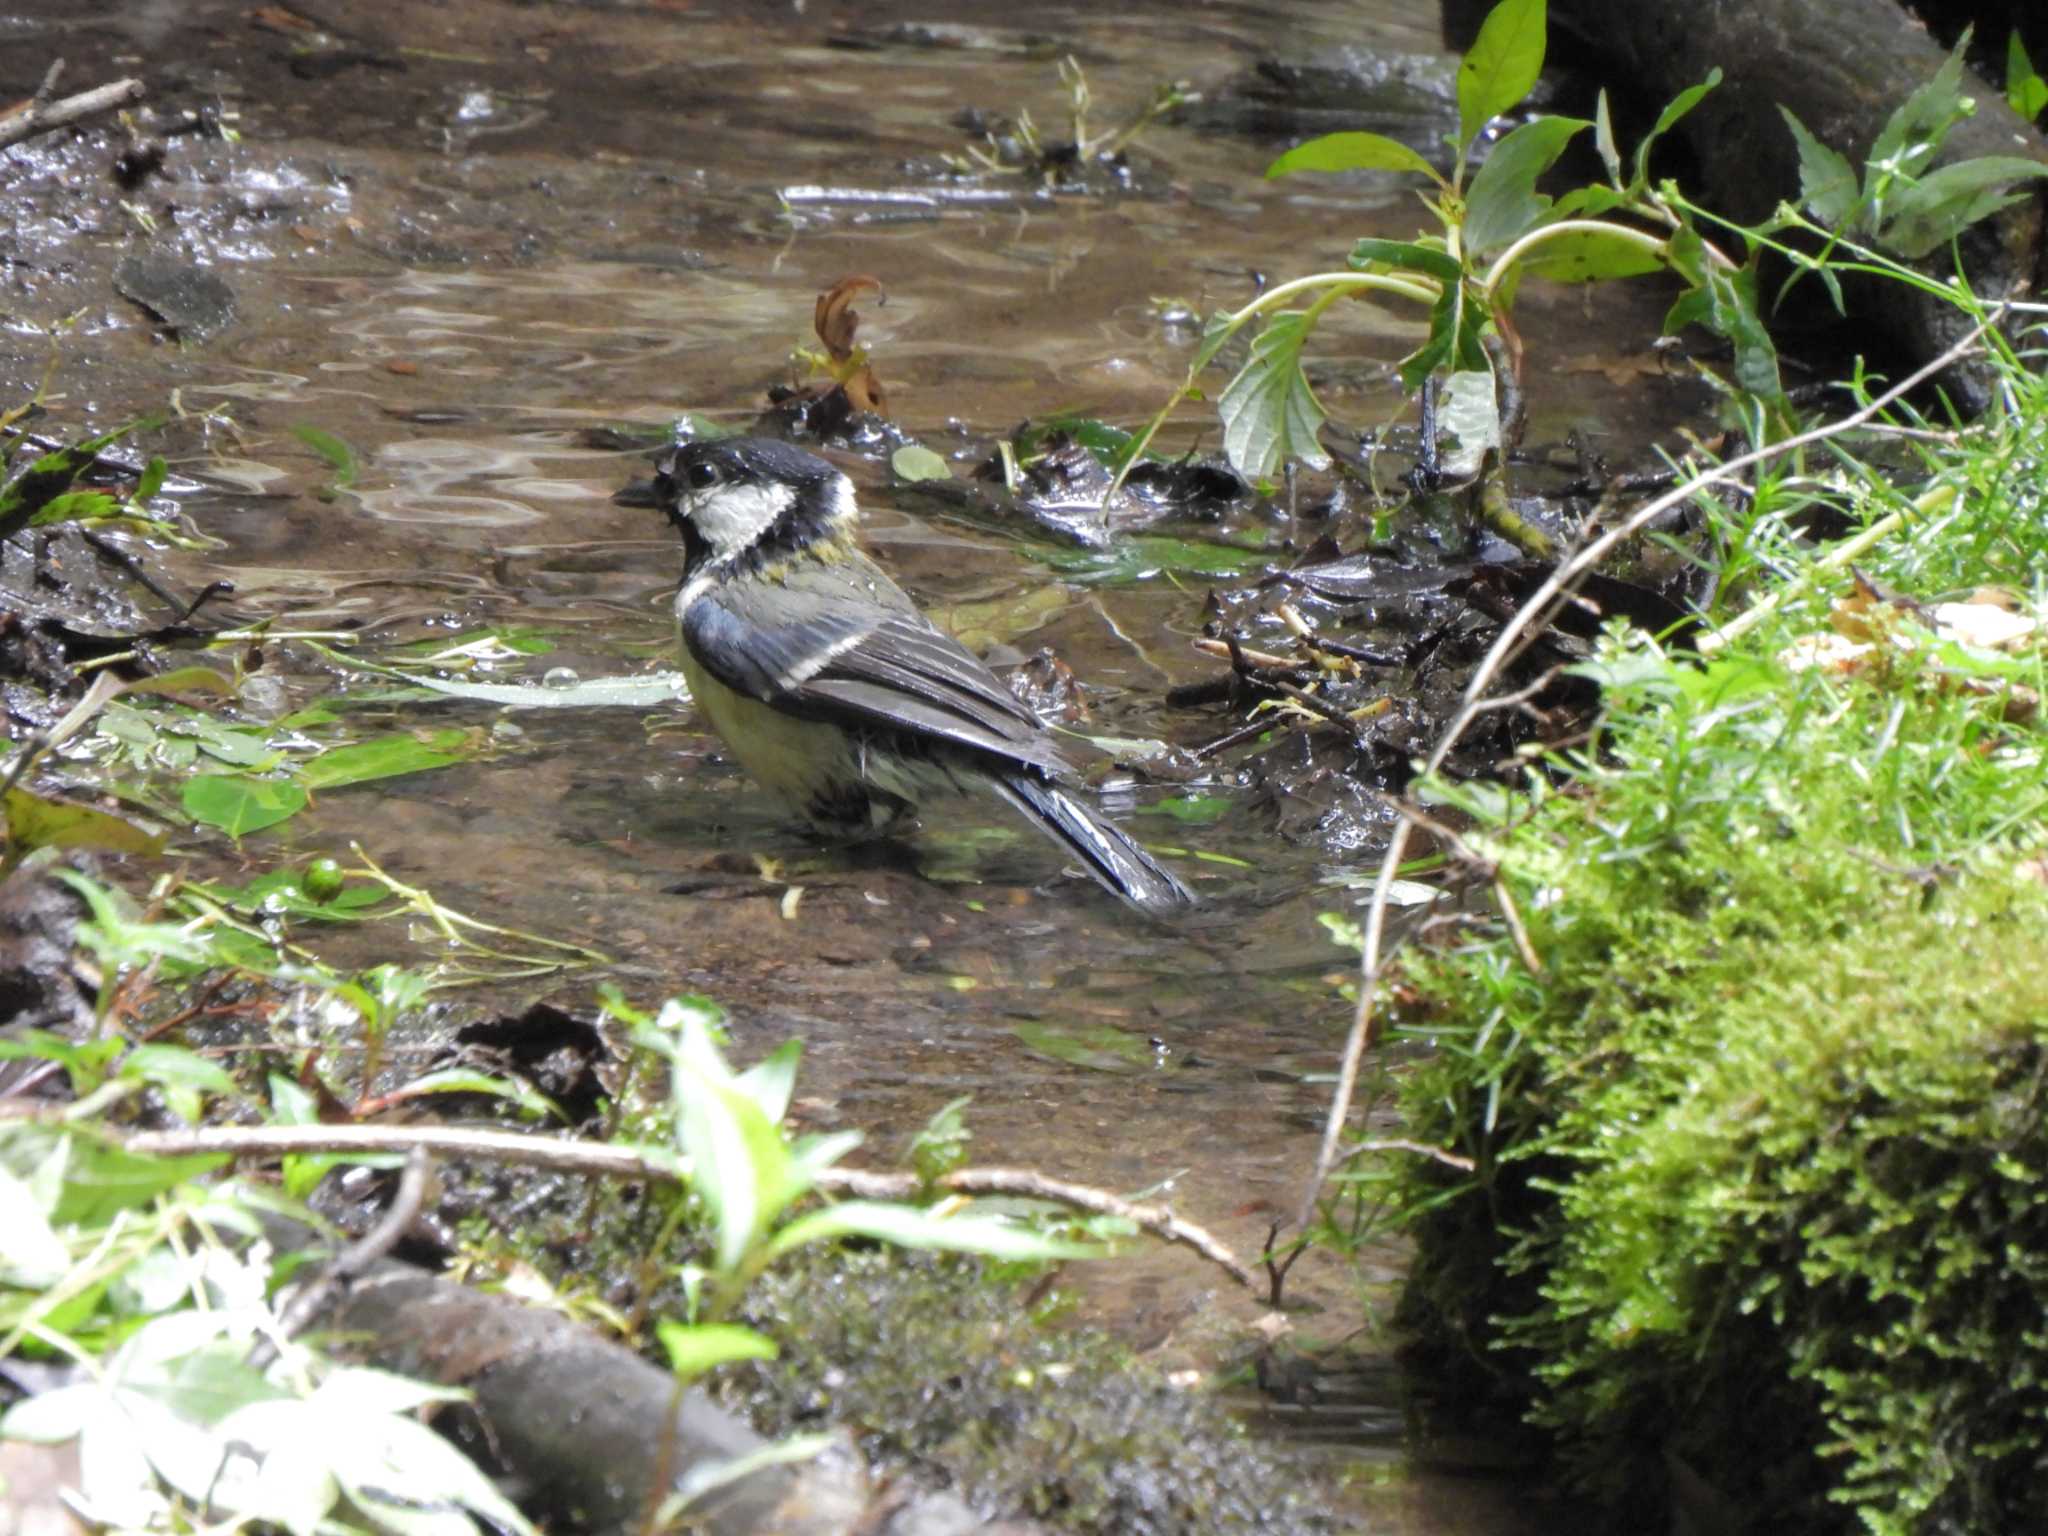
(836, 319)
(1621, 372)
(276, 18)
(400, 366)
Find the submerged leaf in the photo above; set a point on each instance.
(387, 757)
(238, 805)
(38, 821)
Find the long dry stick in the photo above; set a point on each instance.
(610, 1161)
(39, 116)
(1513, 638)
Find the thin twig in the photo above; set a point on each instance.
(1512, 639)
(611, 1161)
(40, 116)
(354, 1261)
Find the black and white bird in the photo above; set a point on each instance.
(829, 685)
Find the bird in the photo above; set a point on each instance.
(832, 688)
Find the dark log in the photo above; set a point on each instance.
(585, 1425)
(1842, 66)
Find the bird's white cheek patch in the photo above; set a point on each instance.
(732, 517)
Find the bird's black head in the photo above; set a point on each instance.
(750, 498)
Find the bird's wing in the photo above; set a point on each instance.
(841, 643)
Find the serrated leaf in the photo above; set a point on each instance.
(1910, 135)
(1502, 203)
(1828, 185)
(239, 806)
(1350, 152)
(1501, 66)
(1924, 215)
(1269, 412)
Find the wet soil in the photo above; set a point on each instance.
(457, 237)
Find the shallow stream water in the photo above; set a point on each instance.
(462, 234)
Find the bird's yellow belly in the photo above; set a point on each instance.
(799, 760)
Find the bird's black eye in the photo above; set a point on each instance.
(702, 476)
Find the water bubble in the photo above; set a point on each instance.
(559, 677)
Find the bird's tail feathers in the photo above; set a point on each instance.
(1116, 862)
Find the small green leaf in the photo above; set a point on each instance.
(1603, 139)
(193, 679)
(75, 507)
(1588, 255)
(152, 479)
(1501, 66)
(239, 806)
(694, 1348)
(1915, 130)
(1429, 260)
(2025, 90)
(914, 462)
(101, 1179)
(1675, 109)
(1503, 203)
(1827, 181)
(1350, 152)
(387, 757)
(339, 456)
(1923, 216)
(1269, 412)
(1098, 1047)
(38, 821)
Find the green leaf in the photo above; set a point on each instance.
(38, 821)
(915, 462)
(1914, 131)
(1350, 152)
(1674, 109)
(74, 507)
(909, 1226)
(771, 1081)
(237, 805)
(1269, 413)
(2025, 90)
(154, 474)
(694, 1348)
(1429, 260)
(1501, 66)
(339, 456)
(1503, 203)
(51, 475)
(197, 678)
(1097, 1047)
(1924, 215)
(1827, 181)
(1143, 556)
(1587, 255)
(1734, 315)
(1603, 139)
(387, 757)
(101, 1179)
